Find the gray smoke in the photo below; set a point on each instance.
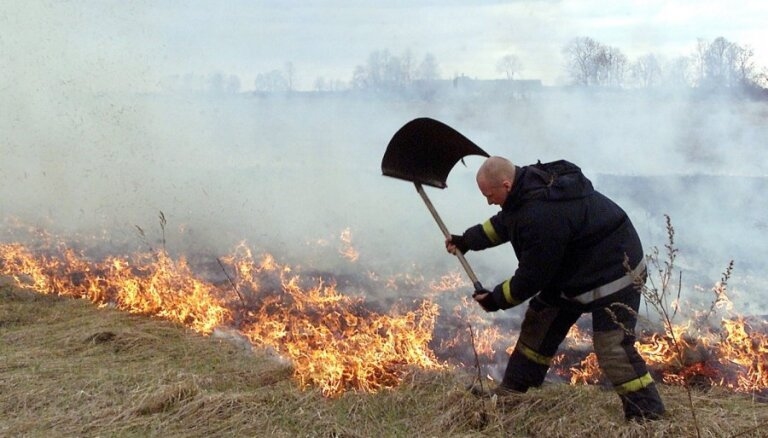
(285, 173)
(87, 145)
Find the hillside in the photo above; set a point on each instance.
(71, 369)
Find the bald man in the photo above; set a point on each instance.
(573, 247)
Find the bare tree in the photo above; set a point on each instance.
(761, 79)
(290, 75)
(591, 63)
(323, 84)
(425, 84)
(360, 78)
(385, 72)
(271, 81)
(646, 71)
(744, 66)
(716, 63)
(219, 83)
(428, 68)
(611, 66)
(509, 65)
(722, 64)
(216, 83)
(373, 74)
(395, 75)
(678, 73)
(580, 55)
(698, 62)
(376, 68)
(232, 84)
(407, 67)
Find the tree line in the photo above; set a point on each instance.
(716, 64)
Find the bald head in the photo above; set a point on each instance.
(495, 178)
(496, 170)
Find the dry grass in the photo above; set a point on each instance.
(69, 369)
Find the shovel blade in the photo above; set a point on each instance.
(425, 150)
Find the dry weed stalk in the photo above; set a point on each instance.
(477, 358)
(721, 291)
(163, 222)
(658, 297)
(231, 282)
(145, 240)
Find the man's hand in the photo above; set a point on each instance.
(485, 298)
(454, 243)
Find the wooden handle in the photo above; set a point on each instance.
(447, 234)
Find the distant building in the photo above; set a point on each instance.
(466, 86)
(496, 85)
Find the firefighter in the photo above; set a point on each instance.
(577, 252)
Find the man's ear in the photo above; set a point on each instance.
(507, 184)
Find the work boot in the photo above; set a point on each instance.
(643, 405)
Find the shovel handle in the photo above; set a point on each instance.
(447, 234)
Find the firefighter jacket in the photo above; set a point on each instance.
(570, 240)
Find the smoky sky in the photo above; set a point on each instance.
(89, 146)
(284, 172)
(134, 45)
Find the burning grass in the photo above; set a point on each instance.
(70, 369)
(248, 346)
(333, 340)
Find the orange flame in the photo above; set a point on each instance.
(735, 357)
(449, 282)
(150, 284)
(332, 340)
(335, 342)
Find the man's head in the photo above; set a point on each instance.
(495, 178)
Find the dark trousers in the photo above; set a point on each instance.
(614, 318)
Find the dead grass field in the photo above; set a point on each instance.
(68, 368)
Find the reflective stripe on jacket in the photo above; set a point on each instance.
(569, 239)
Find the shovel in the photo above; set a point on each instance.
(424, 151)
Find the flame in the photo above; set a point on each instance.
(734, 357)
(332, 340)
(150, 284)
(337, 343)
(448, 282)
(587, 372)
(746, 347)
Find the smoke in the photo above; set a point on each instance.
(286, 173)
(88, 145)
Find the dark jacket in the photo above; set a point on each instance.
(568, 237)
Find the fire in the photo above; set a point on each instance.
(743, 345)
(735, 356)
(333, 341)
(150, 284)
(449, 282)
(587, 372)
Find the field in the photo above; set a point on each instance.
(299, 178)
(71, 369)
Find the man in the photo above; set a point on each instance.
(572, 245)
